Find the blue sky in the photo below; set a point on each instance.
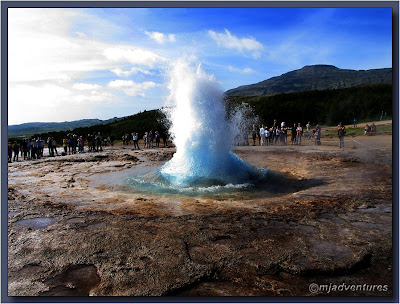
(68, 64)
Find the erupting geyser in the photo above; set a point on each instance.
(202, 134)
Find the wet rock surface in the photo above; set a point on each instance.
(329, 223)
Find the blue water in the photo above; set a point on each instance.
(150, 180)
(203, 138)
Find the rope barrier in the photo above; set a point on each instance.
(369, 146)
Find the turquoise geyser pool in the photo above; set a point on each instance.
(203, 137)
(204, 164)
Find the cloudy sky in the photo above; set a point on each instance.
(69, 64)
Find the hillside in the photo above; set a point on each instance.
(140, 123)
(28, 129)
(321, 106)
(314, 77)
(320, 93)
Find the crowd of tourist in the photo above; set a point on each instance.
(29, 149)
(370, 129)
(150, 140)
(277, 134)
(73, 143)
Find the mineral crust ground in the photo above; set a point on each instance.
(327, 220)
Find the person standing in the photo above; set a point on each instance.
(299, 134)
(75, 143)
(317, 135)
(277, 135)
(49, 146)
(16, 151)
(355, 122)
(136, 141)
(267, 136)
(83, 144)
(164, 138)
(25, 147)
(284, 132)
(70, 144)
(40, 144)
(151, 137)
(293, 134)
(367, 129)
(28, 148)
(274, 127)
(99, 141)
(53, 146)
(373, 129)
(254, 134)
(34, 149)
(10, 151)
(65, 145)
(262, 135)
(145, 140)
(157, 139)
(341, 133)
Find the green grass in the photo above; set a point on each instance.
(380, 130)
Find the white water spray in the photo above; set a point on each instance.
(202, 135)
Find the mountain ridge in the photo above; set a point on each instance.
(313, 77)
(309, 78)
(30, 128)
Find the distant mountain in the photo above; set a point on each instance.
(314, 77)
(139, 123)
(28, 129)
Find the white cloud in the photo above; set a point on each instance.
(86, 86)
(229, 41)
(133, 70)
(243, 71)
(42, 49)
(133, 55)
(131, 88)
(55, 102)
(248, 71)
(81, 35)
(160, 37)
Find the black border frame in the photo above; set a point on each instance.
(394, 5)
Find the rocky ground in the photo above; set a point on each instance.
(327, 220)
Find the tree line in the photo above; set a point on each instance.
(138, 123)
(324, 107)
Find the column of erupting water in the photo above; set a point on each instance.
(202, 135)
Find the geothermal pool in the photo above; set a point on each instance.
(203, 137)
(147, 179)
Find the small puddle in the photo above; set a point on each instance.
(75, 220)
(37, 223)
